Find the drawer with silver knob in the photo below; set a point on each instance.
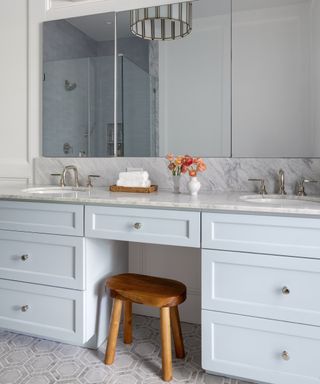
(260, 350)
(58, 219)
(274, 287)
(275, 235)
(156, 226)
(43, 259)
(44, 311)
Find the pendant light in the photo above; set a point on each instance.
(164, 22)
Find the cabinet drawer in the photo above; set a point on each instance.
(55, 313)
(144, 225)
(43, 259)
(60, 219)
(262, 234)
(275, 287)
(257, 349)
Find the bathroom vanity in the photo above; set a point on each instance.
(260, 260)
(260, 272)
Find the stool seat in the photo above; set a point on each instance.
(147, 290)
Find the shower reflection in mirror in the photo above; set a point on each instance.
(107, 92)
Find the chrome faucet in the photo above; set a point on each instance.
(301, 186)
(66, 169)
(262, 187)
(282, 190)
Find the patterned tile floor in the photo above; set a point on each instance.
(28, 360)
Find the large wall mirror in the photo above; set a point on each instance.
(276, 78)
(177, 96)
(171, 96)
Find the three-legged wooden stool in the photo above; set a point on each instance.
(153, 291)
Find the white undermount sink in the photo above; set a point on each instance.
(51, 190)
(280, 200)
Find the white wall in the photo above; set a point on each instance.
(178, 263)
(272, 82)
(194, 90)
(14, 150)
(316, 69)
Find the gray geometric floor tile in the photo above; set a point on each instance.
(29, 360)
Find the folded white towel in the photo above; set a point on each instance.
(140, 175)
(134, 183)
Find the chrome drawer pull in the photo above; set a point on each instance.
(285, 355)
(24, 257)
(24, 308)
(137, 225)
(285, 290)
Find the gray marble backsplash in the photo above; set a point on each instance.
(223, 174)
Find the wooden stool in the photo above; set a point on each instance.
(153, 291)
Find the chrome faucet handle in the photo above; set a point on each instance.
(89, 182)
(301, 186)
(282, 190)
(262, 187)
(61, 183)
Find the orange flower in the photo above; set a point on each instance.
(192, 173)
(170, 157)
(201, 167)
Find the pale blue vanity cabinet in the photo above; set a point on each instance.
(55, 258)
(155, 226)
(261, 297)
(51, 276)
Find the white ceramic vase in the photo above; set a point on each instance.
(194, 186)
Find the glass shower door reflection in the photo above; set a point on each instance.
(65, 108)
(137, 110)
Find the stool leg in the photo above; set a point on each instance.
(127, 324)
(113, 331)
(177, 334)
(166, 343)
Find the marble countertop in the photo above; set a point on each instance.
(290, 205)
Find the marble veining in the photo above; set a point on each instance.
(168, 200)
(222, 175)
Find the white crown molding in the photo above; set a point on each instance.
(60, 9)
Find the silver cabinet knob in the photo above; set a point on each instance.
(285, 355)
(24, 308)
(285, 290)
(137, 225)
(24, 257)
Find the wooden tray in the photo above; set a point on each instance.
(152, 188)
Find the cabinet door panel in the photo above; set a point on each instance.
(261, 350)
(58, 219)
(43, 259)
(274, 287)
(180, 228)
(276, 235)
(50, 312)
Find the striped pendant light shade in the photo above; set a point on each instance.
(165, 22)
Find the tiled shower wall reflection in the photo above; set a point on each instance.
(78, 93)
